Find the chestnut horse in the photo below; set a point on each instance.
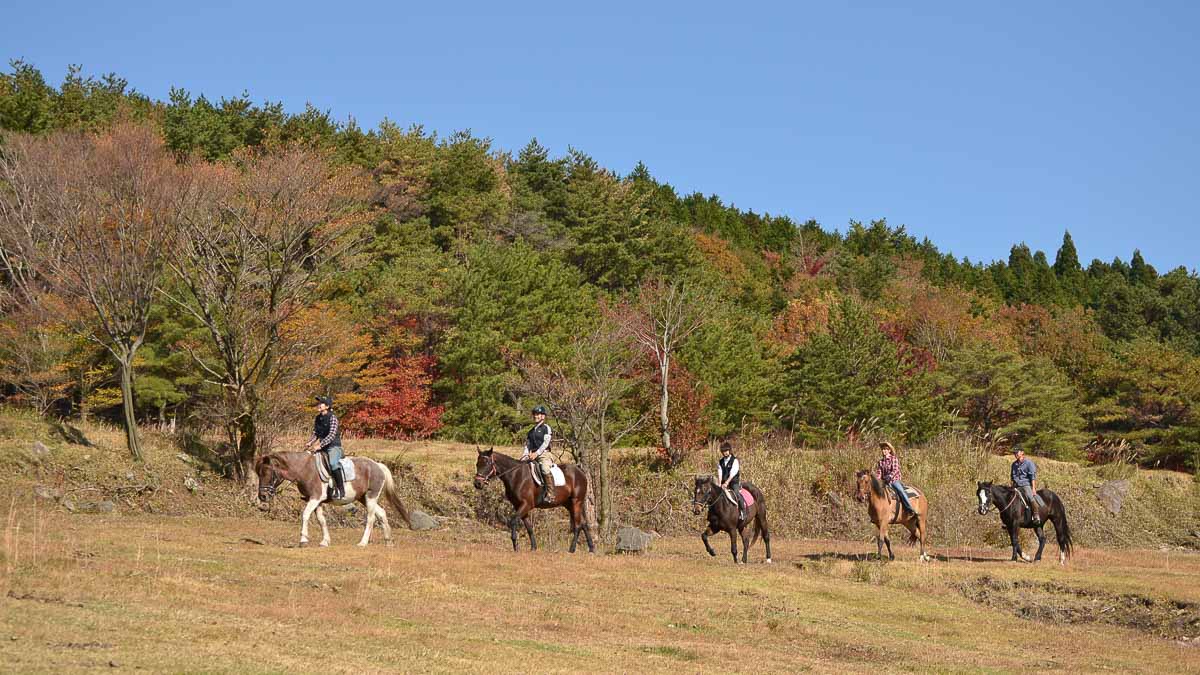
(522, 493)
(723, 516)
(884, 508)
(372, 480)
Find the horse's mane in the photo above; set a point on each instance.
(876, 485)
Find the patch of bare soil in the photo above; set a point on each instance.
(1057, 603)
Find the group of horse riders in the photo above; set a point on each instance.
(1023, 474)
(327, 438)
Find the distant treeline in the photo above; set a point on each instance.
(469, 271)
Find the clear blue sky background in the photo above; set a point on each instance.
(977, 125)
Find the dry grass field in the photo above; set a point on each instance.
(203, 595)
(195, 580)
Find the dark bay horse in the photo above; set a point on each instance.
(723, 516)
(372, 480)
(522, 492)
(1015, 514)
(884, 508)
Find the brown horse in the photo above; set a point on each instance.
(885, 510)
(723, 516)
(372, 480)
(522, 492)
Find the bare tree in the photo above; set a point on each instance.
(269, 228)
(659, 318)
(583, 391)
(97, 214)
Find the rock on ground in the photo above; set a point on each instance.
(422, 521)
(1112, 495)
(632, 540)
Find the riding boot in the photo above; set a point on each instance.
(545, 498)
(339, 487)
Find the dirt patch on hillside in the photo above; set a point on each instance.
(1057, 603)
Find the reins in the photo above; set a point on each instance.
(496, 473)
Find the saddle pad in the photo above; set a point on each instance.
(347, 470)
(746, 497)
(559, 479)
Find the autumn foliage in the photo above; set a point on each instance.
(402, 407)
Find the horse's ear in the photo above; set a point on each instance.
(487, 452)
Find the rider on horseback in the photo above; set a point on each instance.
(1024, 478)
(327, 437)
(888, 471)
(729, 476)
(537, 450)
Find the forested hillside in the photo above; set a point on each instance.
(441, 286)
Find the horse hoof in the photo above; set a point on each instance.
(361, 544)
(768, 561)
(303, 543)
(389, 543)
(324, 544)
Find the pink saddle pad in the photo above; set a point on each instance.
(747, 497)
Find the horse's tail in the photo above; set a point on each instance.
(393, 497)
(760, 517)
(1062, 530)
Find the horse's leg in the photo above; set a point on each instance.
(381, 514)
(879, 537)
(574, 527)
(324, 525)
(888, 540)
(1014, 534)
(372, 509)
(704, 536)
(308, 509)
(512, 528)
(733, 543)
(922, 523)
(529, 528)
(1041, 540)
(745, 544)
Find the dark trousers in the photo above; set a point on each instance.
(735, 486)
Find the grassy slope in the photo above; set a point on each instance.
(187, 592)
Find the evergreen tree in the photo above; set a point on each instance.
(853, 378)
(1002, 396)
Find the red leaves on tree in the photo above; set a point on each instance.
(401, 408)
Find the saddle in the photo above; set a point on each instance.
(747, 498)
(559, 478)
(347, 465)
(909, 490)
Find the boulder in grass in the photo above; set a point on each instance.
(39, 451)
(1112, 495)
(97, 507)
(47, 493)
(632, 540)
(422, 521)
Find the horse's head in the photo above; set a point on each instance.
(862, 481)
(270, 475)
(703, 493)
(983, 490)
(485, 468)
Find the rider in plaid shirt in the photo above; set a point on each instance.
(888, 471)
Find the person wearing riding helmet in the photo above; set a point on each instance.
(729, 476)
(327, 438)
(888, 471)
(537, 450)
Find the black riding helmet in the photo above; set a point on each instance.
(540, 410)
(325, 399)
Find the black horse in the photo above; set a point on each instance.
(1015, 514)
(522, 493)
(723, 516)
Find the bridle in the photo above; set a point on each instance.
(709, 497)
(494, 471)
(273, 485)
(987, 505)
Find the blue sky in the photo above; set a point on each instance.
(977, 125)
